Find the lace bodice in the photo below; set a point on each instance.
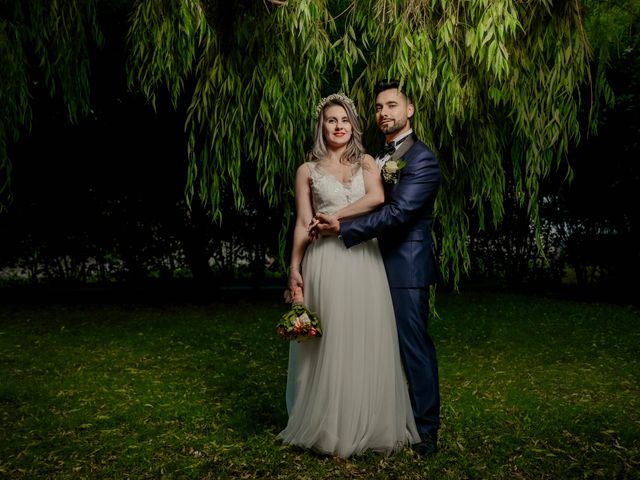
(329, 194)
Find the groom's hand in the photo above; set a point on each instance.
(326, 225)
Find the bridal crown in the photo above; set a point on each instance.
(341, 97)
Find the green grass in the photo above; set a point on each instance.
(531, 388)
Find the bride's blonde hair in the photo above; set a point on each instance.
(354, 151)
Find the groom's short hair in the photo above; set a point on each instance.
(383, 85)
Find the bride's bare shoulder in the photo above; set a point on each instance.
(305, 169)
(368, 162)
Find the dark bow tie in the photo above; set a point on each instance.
(390, 148)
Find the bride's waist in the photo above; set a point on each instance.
(337, 241)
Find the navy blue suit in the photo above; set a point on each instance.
(403, 228)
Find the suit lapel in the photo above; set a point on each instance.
(403, 148)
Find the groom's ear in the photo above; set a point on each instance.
(410, 110)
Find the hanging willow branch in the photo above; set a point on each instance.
(57, 35)
(256, 83)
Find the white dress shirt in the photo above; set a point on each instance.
(380, 161)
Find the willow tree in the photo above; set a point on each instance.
(497, 86)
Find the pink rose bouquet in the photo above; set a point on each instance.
(298, 323)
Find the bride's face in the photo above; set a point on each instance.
(336, 126)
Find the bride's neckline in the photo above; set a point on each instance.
(354, 169)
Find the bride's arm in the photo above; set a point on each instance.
(374, 193)
(304, 215)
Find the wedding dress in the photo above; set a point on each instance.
(346, 391)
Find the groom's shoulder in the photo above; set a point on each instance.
(419, 148)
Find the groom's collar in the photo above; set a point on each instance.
(400, 138)
(407, 142)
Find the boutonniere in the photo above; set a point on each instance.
(391, 170)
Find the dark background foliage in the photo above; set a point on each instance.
(589, 225)
(101, 201)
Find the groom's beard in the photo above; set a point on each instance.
(392, 127)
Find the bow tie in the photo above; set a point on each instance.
(390, 148)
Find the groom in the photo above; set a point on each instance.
(403, 227)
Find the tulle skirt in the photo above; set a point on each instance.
(346, 392)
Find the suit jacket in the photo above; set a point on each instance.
(403, 223)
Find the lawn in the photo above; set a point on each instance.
(532, 387)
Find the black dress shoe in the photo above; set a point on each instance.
(427, 446)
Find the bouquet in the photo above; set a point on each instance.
(298, 323)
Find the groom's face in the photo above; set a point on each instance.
(393, 112)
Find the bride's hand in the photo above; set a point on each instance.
(295, 281)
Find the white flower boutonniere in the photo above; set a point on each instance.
(391, 170)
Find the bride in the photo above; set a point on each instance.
(346, 391)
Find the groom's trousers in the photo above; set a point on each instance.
(411, 306)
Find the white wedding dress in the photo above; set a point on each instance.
(346, 391)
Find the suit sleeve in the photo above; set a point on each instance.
(415, 190)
